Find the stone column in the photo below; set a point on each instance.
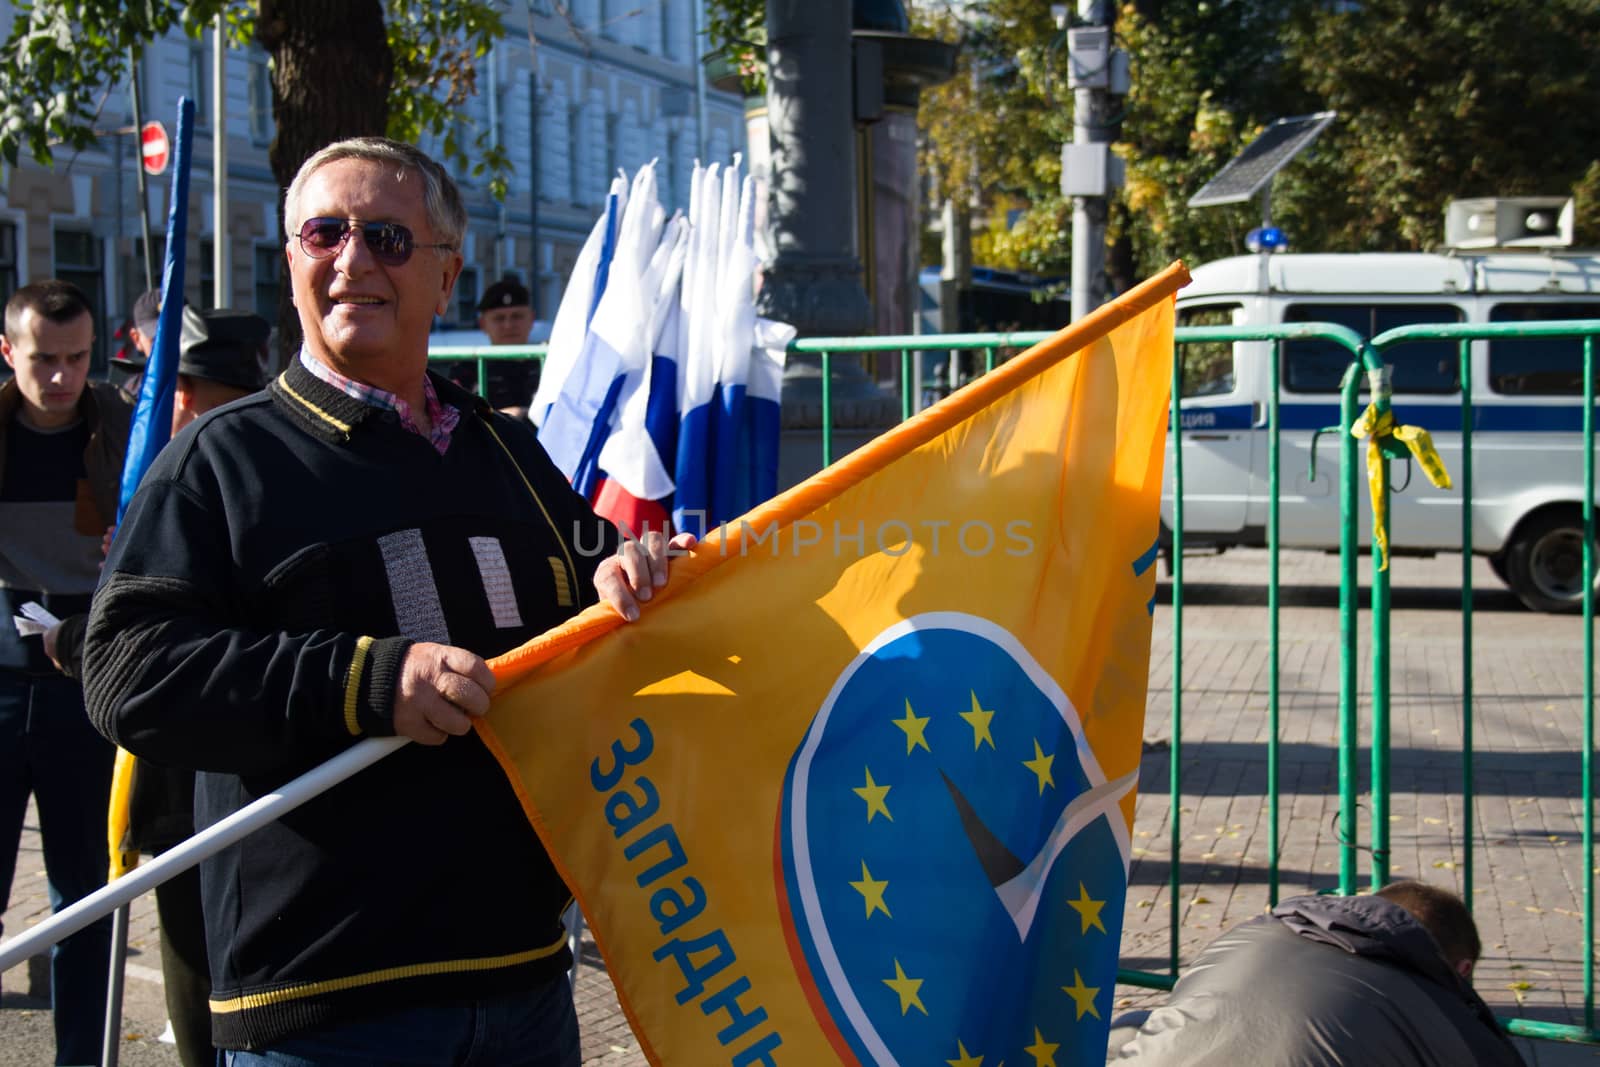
(814, 280)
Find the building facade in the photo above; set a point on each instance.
(611, 84)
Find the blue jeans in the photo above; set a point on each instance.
(532, 1028)
(48, 748)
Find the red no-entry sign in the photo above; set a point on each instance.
(153, 143)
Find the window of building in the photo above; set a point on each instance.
(200, 82)
(1208, 365)
(665, 12)
(667, 173)
(268, 280)
(80, 259)
(574, 170)
(133, 269)
(8, 260)
(1550, 366)
(1314, 366)
(260, 90)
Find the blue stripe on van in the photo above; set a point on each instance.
(1435, 418)
(1226, 417)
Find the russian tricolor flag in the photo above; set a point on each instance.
(667, 403)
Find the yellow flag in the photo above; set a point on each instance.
(858, 787)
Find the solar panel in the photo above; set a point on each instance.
(1269, 153)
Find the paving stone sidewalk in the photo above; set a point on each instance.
(1528, 877)
(1528, 737)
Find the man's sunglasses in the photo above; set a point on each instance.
(389, 242)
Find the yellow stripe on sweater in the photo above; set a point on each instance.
(342, 427)
(352, 684)
(387, 974)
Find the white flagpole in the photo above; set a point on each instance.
(221, 250)
(212, 839)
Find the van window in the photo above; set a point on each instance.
(1419, 367)
(1547, 367)
(1208, 365)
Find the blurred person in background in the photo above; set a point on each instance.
(505, 313)
(127, 366)
(62, 441)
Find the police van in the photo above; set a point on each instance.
(1526, 399)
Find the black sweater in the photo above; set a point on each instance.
(278, 561)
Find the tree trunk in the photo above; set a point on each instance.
(331, 72)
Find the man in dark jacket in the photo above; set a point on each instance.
(505, 313)
(331, 560)
(1375, 981)
(62, 439)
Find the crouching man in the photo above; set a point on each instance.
(1332, 981)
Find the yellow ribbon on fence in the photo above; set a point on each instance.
(1374, 426)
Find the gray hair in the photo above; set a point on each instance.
(447, 215)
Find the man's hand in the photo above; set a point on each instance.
(441, 689)
(637, 570)
(51, 637)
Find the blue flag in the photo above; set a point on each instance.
(152, 419)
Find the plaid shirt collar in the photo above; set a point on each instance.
(444, 417)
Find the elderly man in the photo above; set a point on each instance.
(61, 446)
(331, 560)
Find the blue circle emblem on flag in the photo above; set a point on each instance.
(954, 859)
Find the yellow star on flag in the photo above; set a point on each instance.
(871, 891)
(978, 719)
(1088, 910)
(1042, 1051)
(1040, 766)
(874, 795)
(965, 1058)
(907, 988)
(1082, 995)
(914, 727)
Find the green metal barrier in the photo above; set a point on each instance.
(825, 348)
(1464, 334)
(1366, 361)
(484, 355)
